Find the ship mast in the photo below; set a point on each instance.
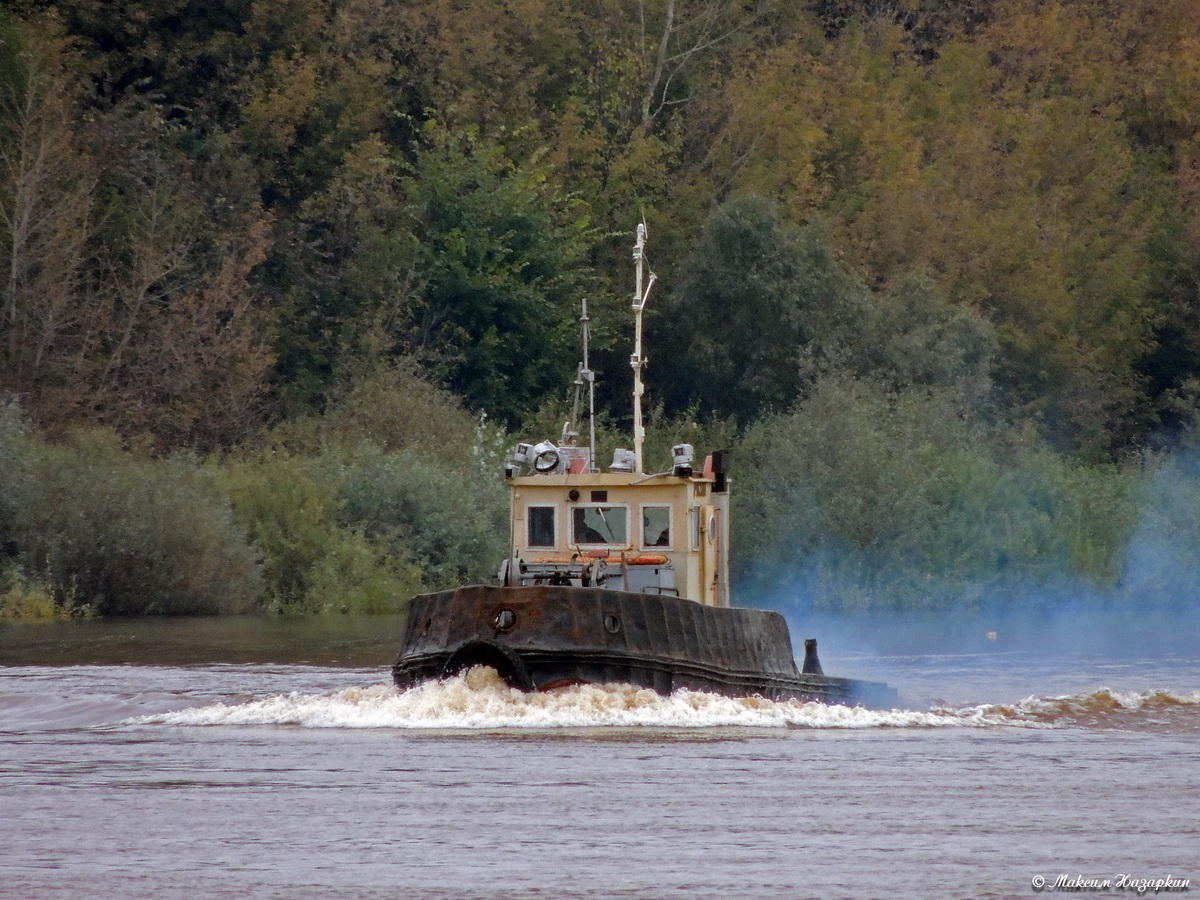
(636, 361)
(583, 376)
(588, 377)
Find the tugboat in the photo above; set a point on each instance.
(617, 577)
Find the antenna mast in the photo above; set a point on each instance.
(636, 361)
(583, 376)
(586, 374)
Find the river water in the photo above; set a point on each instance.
(256, 758)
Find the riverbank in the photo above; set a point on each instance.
(324, 640)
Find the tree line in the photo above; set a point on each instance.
(964, 238)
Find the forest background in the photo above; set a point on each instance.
(279, 279)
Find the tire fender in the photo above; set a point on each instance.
(490, 653)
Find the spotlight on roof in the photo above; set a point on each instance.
(683, 456)
(545, 458)
(623, 461)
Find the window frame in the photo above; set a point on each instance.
(670, 544)
(553, 507)
(604, 545)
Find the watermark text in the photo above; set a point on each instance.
(1119, 883)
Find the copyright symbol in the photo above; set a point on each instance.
(1038, 882)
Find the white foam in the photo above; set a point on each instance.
(480, 700)
(1092, 707)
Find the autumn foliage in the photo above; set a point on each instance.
(221, 223)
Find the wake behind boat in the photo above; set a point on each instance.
(617, 577)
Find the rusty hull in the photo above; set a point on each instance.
(542, 637)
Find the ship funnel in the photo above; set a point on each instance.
(812, 665)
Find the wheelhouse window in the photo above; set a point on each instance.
(539, 520)
(601, 525)
(656, 526)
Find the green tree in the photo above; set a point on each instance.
(763, 309)
(759, 308)
(913, 337)
(503, 264)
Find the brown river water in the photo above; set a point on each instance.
(259, 758)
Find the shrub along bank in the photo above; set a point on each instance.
(331, 515)
(863, 497)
